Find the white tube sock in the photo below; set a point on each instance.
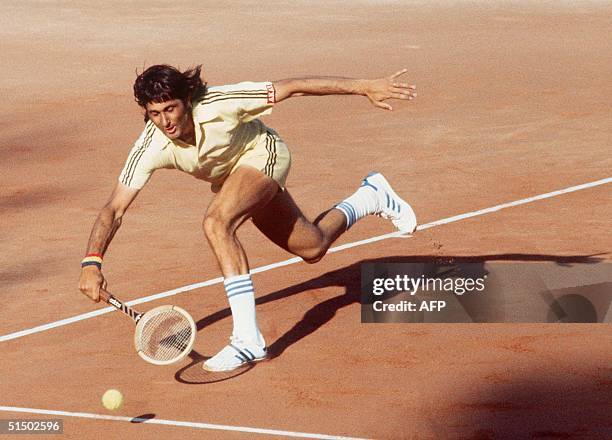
(363, 202)
(241, 297)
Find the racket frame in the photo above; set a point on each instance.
(142, 321)
(137, 318)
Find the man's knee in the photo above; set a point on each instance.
(216, 225)
(312, 256)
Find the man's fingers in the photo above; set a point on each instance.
(94, 294)
(404, 86)
(402, 95)
(91, 294)
(403, 90)
(399, 72)
(383, 105)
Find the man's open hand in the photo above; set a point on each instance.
(379, 90)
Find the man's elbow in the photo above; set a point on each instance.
(112, 213)
(286, 88)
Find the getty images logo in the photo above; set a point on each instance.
(411, 285)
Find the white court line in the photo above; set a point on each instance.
(294, 260)
(197, 425)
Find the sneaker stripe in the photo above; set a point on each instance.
(241, 354)
(246, 356)
(249, 352)
(390, 205)
(366, 183)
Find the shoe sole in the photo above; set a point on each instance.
(410, 227)
(204, 367)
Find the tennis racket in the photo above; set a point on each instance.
(164, 335)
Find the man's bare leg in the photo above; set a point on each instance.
(244, 192)
(283, 222)
(250, 193)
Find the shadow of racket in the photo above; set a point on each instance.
(194, 374)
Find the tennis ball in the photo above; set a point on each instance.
(112, 399)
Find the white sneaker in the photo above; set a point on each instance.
(390, 205)
(237, 354)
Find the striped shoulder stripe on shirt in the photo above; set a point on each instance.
(137, 154)
(271, 148)
(216, 96)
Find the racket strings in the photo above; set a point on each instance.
(165, 335)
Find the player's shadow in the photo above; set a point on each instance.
(350, 278)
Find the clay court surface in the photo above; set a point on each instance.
(514, 101)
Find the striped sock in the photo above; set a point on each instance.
(241, 297)
(363, 202)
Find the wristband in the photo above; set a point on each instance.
(92, 260)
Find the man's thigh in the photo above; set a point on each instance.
(283, 222)
(243, 193)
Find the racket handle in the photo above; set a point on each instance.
(105, 296)
(110, 299)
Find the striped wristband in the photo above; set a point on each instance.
(92, 260)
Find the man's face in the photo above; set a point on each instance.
(172, 117)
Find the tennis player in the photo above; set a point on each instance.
(215, 134)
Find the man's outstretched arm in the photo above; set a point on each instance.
(102, 233)
(376, 90)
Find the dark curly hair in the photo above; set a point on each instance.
(162, 82)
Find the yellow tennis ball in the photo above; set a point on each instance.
(112, 399)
